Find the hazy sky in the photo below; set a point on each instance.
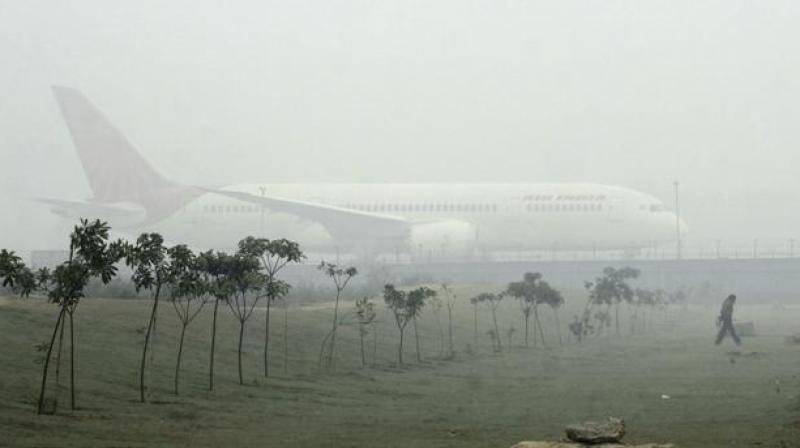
(633, 93)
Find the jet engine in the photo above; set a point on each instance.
(443, 239)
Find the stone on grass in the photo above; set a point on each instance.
(609, 431)
(530, 444)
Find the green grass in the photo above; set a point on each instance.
(475, 400)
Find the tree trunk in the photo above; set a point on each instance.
(58, 356)
(331, 349)
(416, 339)
(150, 325)
(71, 361)
(213, 341)
(633, 314)
(538, 325)
(400, 349)
(498, 340)
(441, 334)
(374, 343)
(285, 338)
(475, 320)
(558, 326)
(527, 319)
(323, 350)
(241, 338)
(59, 323)
(450, 328)
(361, 337)
(266, 340)
(180, 353)
(616, 318)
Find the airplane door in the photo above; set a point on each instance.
(615, 209)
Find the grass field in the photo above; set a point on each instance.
(478, 399)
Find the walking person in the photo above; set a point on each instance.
(725, 321)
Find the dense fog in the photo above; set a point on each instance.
(400, 223)
(636, 94)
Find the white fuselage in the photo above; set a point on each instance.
(500, 216)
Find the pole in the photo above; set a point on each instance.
(677, 223)
(263, 191)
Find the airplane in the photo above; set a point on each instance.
(447, 219)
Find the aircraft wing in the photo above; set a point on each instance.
(342, 223)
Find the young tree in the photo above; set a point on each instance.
(91, 255)
(603, 318)
(246, 283)
(273, 255)
(553, 298)
(341, 277)
(10, 263)
(492, 301)
(612, 288)
(436, 307)
(397, 302)
(525, 293)
(365, 313)
(661, 302)
(415, 300)
(215, 269)
(148, 259)
(449, 301)
(187, 294)
(43, 279)
(581, 327)
(510, 334)
(15, 275)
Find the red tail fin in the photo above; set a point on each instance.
(115, 169)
